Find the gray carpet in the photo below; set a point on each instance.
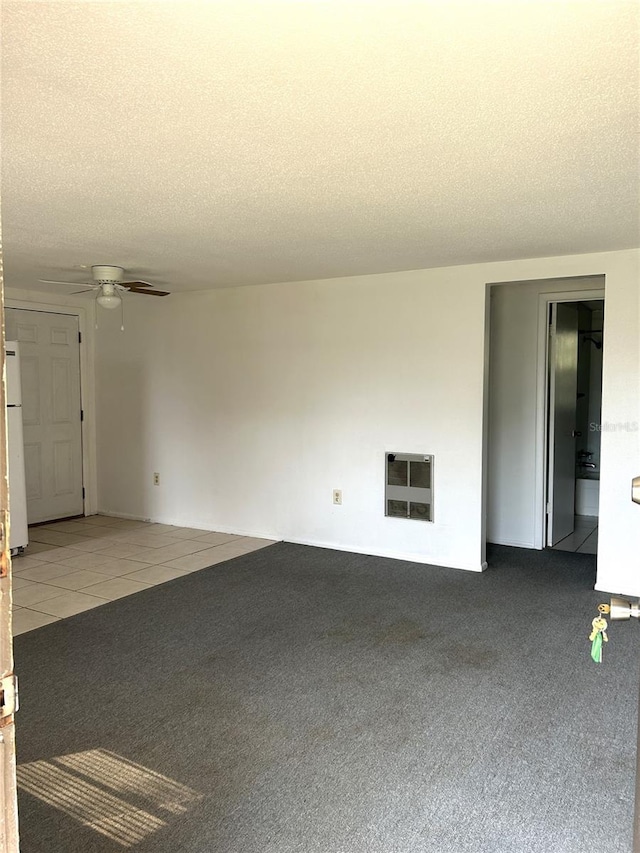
(299, 699)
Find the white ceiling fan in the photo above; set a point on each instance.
(109, 284)
(110, 281)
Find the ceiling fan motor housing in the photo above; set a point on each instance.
(107, 274)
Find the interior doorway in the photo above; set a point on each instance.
(517, 395)
(574, 395)
(51, 411)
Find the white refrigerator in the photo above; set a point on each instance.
(18, 530)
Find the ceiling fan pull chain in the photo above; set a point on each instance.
(122, 310)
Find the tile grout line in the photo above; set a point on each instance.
(114, 534)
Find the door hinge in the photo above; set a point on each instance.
(83, 493)
(81, 415)
(79, 337)
(9, 703)
(548, 509)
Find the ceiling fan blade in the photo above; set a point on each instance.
(135, 284)
(72, 283)
(149, 292)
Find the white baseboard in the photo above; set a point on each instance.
(206, 526)
(119, 515)
(331, 546)
(392, 555)
(514, 543)
(623, 593)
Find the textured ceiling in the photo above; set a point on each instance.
(213, 144)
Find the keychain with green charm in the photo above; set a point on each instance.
(598, 633)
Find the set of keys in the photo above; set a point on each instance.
(598, 633)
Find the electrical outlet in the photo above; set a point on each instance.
(337, 496)
(156, 479)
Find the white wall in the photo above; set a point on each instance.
(619, 520)
(254, 403)
(513, 408)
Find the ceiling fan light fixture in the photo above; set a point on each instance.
(108, 296)
(108, 301)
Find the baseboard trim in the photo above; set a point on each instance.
(392, 555)
(408, 557)
(512, 543)
(203, 525)
(609, 591)
(124, 515)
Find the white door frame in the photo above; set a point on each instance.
(542, 398)
(85, 315)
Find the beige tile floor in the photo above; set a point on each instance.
(71, 566)
(584, 539)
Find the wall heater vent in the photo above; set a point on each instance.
(408, 489)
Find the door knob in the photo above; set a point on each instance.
(623, 609)
(635, 490)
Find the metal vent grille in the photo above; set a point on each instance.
(409, 486)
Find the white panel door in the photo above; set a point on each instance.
(51, 411)
(563, 386)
